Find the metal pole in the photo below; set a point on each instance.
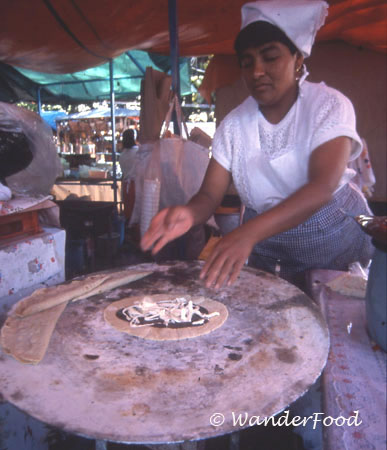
(113, 120)
(39, 101)
(100, 445)
(174, 47)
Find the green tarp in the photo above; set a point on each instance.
(91, 84)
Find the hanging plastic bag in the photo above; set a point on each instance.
(177, 164)
(40, 174)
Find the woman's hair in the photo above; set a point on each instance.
(128, 140)
(259, 33)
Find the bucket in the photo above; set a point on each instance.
(108, 244)
(75, 257)
(118, 224)
(376, 303)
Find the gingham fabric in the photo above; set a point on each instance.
(327, 240)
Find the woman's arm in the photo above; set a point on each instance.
(326, 166)
(170, 223)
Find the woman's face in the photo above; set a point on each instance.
(269, 72)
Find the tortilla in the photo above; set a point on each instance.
(45, 298)
(350, 285)
(27, 338)
(166, 333)
(117, 279)
(26, 333)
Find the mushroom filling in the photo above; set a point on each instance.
(166, 313)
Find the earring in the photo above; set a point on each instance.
(299, 73)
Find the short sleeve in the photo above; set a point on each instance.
(336, 117)
(222, 145)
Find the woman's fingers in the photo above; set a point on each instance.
(172, 230)
(208, 265)
(217, 267)
(168, 224)
(221, 272)
(160, 244)
(235, 272)
(224, 273)
(226, 261)
(154, 232)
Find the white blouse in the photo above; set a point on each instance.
(270, 161)
(128, 162)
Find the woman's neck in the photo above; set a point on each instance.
(275, 113)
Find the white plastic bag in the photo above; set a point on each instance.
(5, 193)
(179, 165)
(40, 175)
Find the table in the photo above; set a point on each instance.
(96, 190)
(27, 262)
(355, 376)
(101, 383)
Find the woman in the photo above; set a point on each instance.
(128, 167)
(286, 147)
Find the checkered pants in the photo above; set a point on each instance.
(327, 240)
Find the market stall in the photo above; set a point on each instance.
(86, 189)
(89, 132)
(85, 141)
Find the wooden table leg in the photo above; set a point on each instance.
(100, 445)
(234, 441)
(193, 445)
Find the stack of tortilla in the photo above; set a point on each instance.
(26, 333)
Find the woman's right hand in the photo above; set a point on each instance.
(170, 223)
(167, 225)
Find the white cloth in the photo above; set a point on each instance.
(298, 19)
(127, 162)
(270, 162)
(5, 193)
(365, 177)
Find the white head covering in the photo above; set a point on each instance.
(298, 19)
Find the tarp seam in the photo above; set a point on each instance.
(69, 32)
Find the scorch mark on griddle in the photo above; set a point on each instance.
(302, 301)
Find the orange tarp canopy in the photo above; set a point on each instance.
(59, 36)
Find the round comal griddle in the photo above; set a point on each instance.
(105, 384)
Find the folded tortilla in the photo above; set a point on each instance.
(349, 284)
(27, 338)
(45, 298)
(26, 333)
(117, 279)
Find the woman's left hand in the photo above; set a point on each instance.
(227, 258)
